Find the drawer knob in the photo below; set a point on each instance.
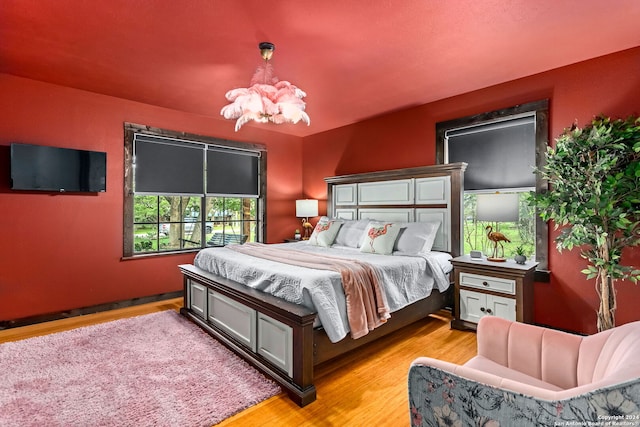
(489, 310)
(485, 283)
(482, 309)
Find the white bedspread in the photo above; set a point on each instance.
(405, 279)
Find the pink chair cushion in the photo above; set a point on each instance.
(556, 360)
(486, 365)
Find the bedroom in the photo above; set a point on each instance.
(76, 241)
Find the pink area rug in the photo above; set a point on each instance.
(153, 370)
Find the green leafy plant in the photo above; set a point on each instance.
(520, 251)
(594, 198)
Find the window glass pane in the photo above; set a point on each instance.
(183, 227)
(192, 209)
(234, 220)
(249, 209)
(145, 237)
(233, 206)
(233, 227)
(169, 243)
(164, 212)
(166, 223)
(520, 233)
(145, 209)
(190, 239)
(251, 229)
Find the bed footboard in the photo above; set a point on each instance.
(273, 335)
(276, 336)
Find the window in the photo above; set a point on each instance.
(501, 149)
(186, 192)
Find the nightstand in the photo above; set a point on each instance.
(486, 288)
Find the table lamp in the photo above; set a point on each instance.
(497, 208)
(306, 209)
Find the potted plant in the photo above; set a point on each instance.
(594, 197)
(297, 234)
(520, 256)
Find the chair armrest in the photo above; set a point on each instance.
(485, 378)
(438, 397)
(435, 363)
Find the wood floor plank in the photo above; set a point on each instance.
(365, 387)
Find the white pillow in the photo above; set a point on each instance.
(324, 232)
(350, 234)
(416, 237)
(380, 237)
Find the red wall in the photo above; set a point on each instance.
(61, 252)
(608, 85)
(64, 251)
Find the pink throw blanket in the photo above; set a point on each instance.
(366, 303)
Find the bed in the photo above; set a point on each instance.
(285, 318)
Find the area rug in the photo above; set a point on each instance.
(153, 370)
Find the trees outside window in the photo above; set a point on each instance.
(186, 192)
(170, 223)
(521, 233)
(502, 149)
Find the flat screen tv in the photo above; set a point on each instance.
(42, 168)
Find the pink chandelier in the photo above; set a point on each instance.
(267, 99)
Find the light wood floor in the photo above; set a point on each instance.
(367, 387)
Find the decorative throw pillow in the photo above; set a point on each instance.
(380, 237)
(325, 232)
(416, 237)
(351, 232)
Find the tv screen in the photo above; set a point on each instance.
(41, 168)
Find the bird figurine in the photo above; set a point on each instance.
(375, 232)
(307, 227)
(497, 238)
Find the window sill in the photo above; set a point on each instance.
(542, 276)
(157, 254)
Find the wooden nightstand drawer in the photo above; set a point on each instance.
(505, 286)
(486, 288)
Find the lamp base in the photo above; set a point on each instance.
(307, 227)
(496, 259)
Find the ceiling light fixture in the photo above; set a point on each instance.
(267, 99)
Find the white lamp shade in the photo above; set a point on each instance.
(497, 207)
(306, 208)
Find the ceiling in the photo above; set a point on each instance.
(355, 59)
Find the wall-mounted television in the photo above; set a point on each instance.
(43, 168)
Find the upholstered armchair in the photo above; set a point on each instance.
(526, 375)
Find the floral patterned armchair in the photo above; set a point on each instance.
(525, 375)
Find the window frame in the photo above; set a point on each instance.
(130, 129)
(541, 110)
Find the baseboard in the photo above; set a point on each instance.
(7, 324)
